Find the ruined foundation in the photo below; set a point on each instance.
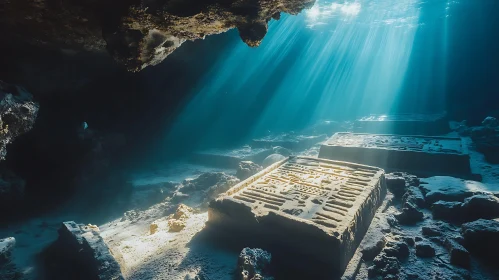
(404, 124)
(317, 209)
(421, 155)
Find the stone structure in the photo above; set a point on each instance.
(85, 242)
(319, 209)
(408, 124)
(421, 155)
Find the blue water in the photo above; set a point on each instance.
(339, 60)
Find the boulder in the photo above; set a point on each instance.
(272, 159)
(371, 250)
(446, 188)
(247, 169)
(447, 210)
(424, 249)
(485, 206)
(481, 237)
(458, 254)
(81, 246)
(414, 196)
(490, 122)
(6, 247)
(398, 182)
(253, 264)
(410, 214)
(8, 269)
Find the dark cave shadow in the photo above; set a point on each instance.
(286, 264)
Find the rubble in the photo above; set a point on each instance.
(252, 264)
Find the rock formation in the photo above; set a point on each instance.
(17, 114)
(137, 33)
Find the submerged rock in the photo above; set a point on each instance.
(446, 188)
(137, 33)
(424, 249)
(410, 214)
(398, 182)
(384, 266)
(447, 210)
(458, 254)
(247, 169)
(207, 180)
(479, 206)
(485, 206)
(252, 264)
(8, 269)
(18, 112)
(80, 253)
(490, 122)
(481, 237)
(177, 221)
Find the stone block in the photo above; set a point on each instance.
(420, 155)
(317, 209)
(404, 124)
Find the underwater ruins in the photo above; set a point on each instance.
(249, 140)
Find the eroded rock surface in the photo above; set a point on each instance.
(8, 269)
(137, 33)
(17, 114)
(81, 253)
(252, 264)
